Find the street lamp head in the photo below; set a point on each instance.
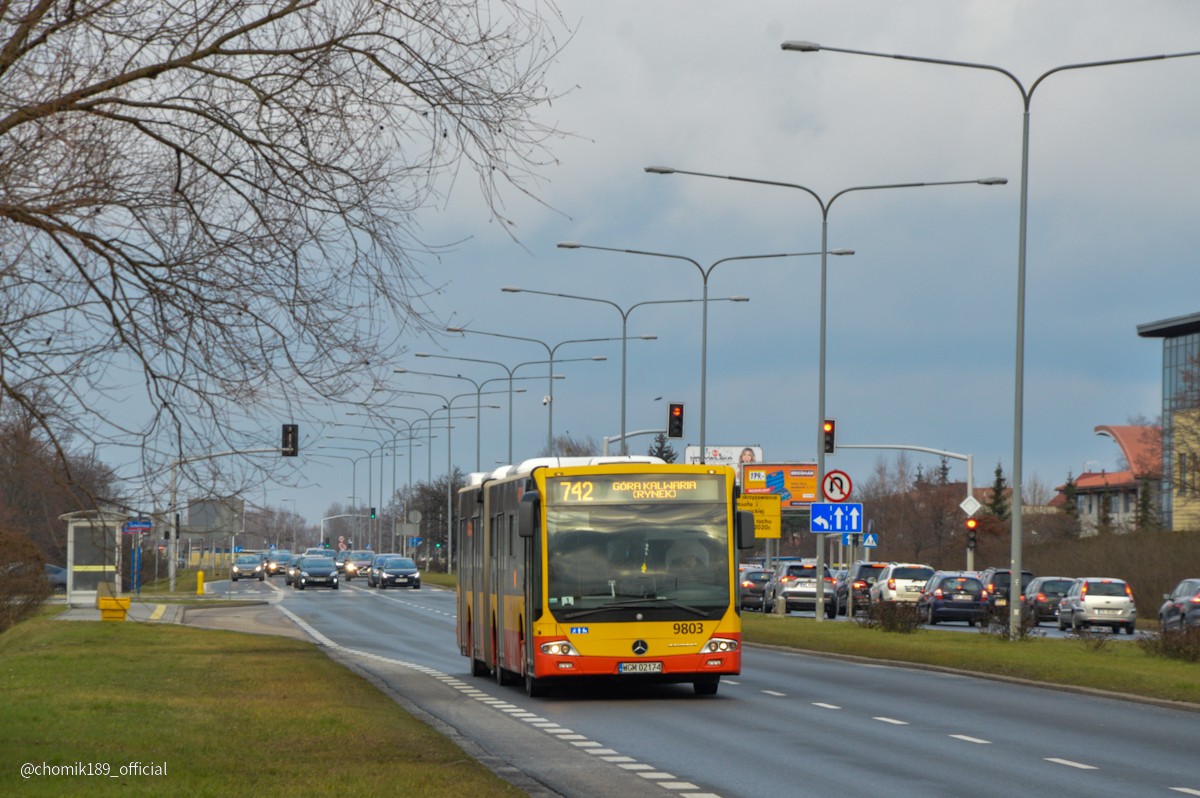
(320, 446)
(508, 289)
(421, 354)
(801, 47)
(739, 299)
(518, 390)
(648, 337)
(841, 252)
(456, 329)
(660, 170)
(493, 407)
(559, 377)
(568, 245)
(599, 357)
(992, 181)
(399, 371)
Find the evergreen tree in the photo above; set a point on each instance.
(1105, 522)
(997, 504)
(661, 448)
(1071, 503)
(943, 473)
(1147, 518)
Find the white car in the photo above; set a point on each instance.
(900, 583)
(1098, 602)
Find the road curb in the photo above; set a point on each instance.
(1094, 692)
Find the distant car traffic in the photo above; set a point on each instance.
(1098, 602)
(358, 564)
(1181, 607)
(277, 562)
(376, 564)
(754, 584)
(247, 566)
(397, 571)
(289, 576)
(952, 596)
(1043, 595)
(795, 583)
(862, 575)
(340, 560)
(998, 581)
(315, 571)
(900, 583)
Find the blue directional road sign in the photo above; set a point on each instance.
(835, 517)
(414, 541)
(237, 549)
(870, 540)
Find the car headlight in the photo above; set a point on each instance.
(235, 569)
(258, 567)
(560, 648)
(304, 574)
(720, 644)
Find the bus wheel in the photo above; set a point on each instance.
(535, 688)
(706, 688)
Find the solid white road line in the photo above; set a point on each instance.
(971, 739)
(1069, 763)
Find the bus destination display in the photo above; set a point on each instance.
(634, 488)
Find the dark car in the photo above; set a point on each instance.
(1181, 608)
(754, 584)
(289, 569)
(953, 596)
(1043, 595)
(340, 560)
(57, 576)
(315, 571)
(862, 575)
(396, 571)
(376, 564)
(998, 581)
(358, 564)
(247, 566)
(277, 562)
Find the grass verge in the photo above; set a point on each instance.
(185, 582)
(213, 706)
(1122, 667)
(443, 580)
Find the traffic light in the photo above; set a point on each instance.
(291, 440)
(971, 535)
(675, 420)
(372, 513)
(829, 429)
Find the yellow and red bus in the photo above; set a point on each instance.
(577, 569)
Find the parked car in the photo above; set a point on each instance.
(277, 562)
(1043, 595)
(1098, 602)
(900, 583)
(57, 576)
(376, 565)
(289, 574)
(315, 571)
(953, 596)
(247, 566)
(754, 583)
(998, 581)
(1182, 606)
(796, 584)
(397, 571)
(358, 563)
(862, 575)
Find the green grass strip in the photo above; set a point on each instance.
(227, 713)
(1120, 666)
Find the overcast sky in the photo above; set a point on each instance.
(921, 321)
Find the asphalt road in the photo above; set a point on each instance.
(789, 725)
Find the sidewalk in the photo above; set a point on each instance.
(139, 612)
(261, 619)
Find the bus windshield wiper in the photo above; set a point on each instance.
(635, 603)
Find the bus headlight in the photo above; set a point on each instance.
(720, 644)
(560, 648)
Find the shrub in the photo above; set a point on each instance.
(997, 625)
(1092, 640)
(23, 583)
(902, 618)
(1181, 644)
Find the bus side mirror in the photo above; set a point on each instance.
(745, 529)
(527, 514)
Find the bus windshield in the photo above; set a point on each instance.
(615, 554)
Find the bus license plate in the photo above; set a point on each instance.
(640, 667)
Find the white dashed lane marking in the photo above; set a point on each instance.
(772, 692)
(1069, 763)
(825, 706)
(892, 721)
(971, 739)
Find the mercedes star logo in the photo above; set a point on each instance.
(640, 647)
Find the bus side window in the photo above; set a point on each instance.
(510, 534)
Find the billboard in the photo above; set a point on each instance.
(724, 455)
(794, 483)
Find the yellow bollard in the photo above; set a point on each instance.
(200, 583)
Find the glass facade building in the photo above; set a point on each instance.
(1181, 348)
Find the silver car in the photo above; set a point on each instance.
(1096, 601)
(796, 584)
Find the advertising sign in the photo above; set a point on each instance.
(794, 483)
(724, 455)
(765, 507)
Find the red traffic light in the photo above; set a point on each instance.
(676, 410)
(829, 426)
(972, 523)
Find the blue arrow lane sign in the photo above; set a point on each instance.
(835, 517)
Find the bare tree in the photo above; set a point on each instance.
(1035, 491)
(568, 446)
(209, 204)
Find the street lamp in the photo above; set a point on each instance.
(293, 501)
(624, 323)
(1019, 380)
(353, 472)
(825, 206)
(478, 394)
(550, 350)
(704, 273)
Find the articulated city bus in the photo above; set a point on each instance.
(577, 569)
